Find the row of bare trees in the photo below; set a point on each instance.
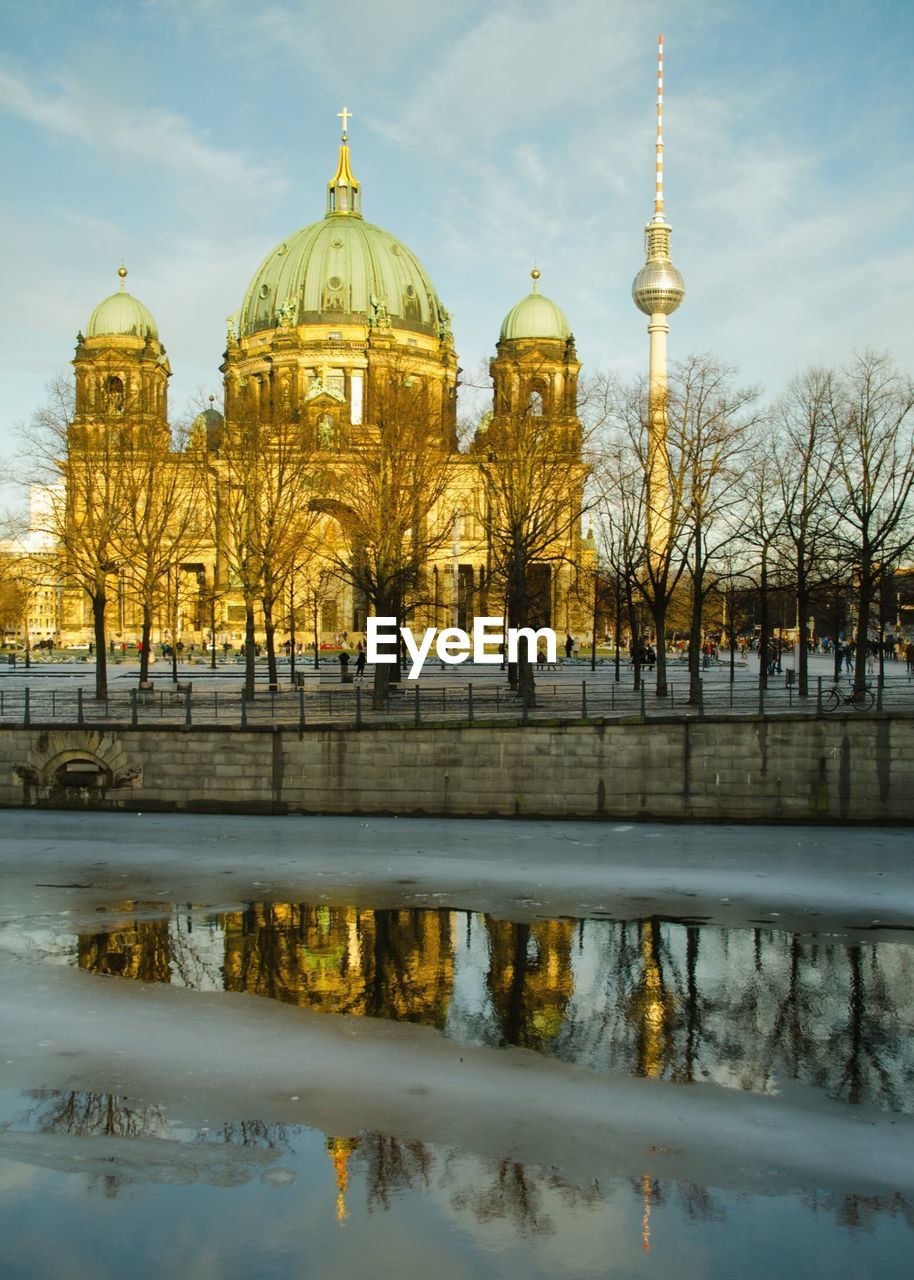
(812, 493)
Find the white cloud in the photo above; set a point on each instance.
(143, 140)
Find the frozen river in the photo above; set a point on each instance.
(316, 1047)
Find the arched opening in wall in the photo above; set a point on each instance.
(114, 394)
(535, 404)
(84, 772)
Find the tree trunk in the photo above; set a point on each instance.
(519, 611)
(836, 674)
(99, 604)
(144, 642)
(865, 595)
(802, 631)
(635, 635)
(212, 627)
(618, 625)
(249, 656)
(695, 630)
(659, 616)
(292, 633)
(593, 630)
(269, 627)
(380, 685)
(763, 640)
(317, 635)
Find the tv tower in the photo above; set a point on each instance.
(658, 290)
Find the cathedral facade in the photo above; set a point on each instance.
(334, 317)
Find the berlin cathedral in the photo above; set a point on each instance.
(327, 316)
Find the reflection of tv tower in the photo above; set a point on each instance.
(658, 290)
(340, 1150)
(646, 1214)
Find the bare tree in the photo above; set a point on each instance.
(655, 539)
(710, 422)
(804, 460)
(387, 486)
(267, 478)
(874, 438)
(88, 503)
(162, 491)
(533, 491)
(760, 491)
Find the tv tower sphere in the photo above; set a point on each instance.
(658, 287)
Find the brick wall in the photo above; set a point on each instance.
(791, 768)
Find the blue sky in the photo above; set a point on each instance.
(191, 136)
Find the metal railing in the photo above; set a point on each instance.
(489, 700)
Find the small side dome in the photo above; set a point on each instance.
(535, 316)
(121, 313)
(207, 428)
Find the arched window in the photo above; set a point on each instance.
(535, 404)
(114, 394)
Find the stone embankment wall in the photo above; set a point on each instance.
(856, 769)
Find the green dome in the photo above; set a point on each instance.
(337, 271)
(121, 313)
(535, 316)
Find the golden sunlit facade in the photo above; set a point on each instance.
(338, 323)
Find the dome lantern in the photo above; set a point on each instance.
(344, 193)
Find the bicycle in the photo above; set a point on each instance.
(835, 697)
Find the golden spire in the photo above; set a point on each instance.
(535, 275)
(344, 195)
(122, 272)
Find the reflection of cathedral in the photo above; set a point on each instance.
(332, 315)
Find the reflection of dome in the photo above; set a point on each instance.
(535, 316)
(121, 313)
(337, 271)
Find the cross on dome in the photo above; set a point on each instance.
(344, 115)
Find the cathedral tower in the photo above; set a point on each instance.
(658, 290)
(121, 366)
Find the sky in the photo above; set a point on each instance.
(189, 137)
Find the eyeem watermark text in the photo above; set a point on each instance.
(453, 645)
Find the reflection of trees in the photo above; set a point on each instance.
(530, 979)
(656, 997)
(392, 1166)
(869, 1043)
(513, 1193)
(78, 1113)
(394, 964)
(82, 1114)
(257, 1134)
(135, 949)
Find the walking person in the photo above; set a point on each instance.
(360, 661)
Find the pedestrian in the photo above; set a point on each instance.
(569, 646)
(344, 665)
(360, 660)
